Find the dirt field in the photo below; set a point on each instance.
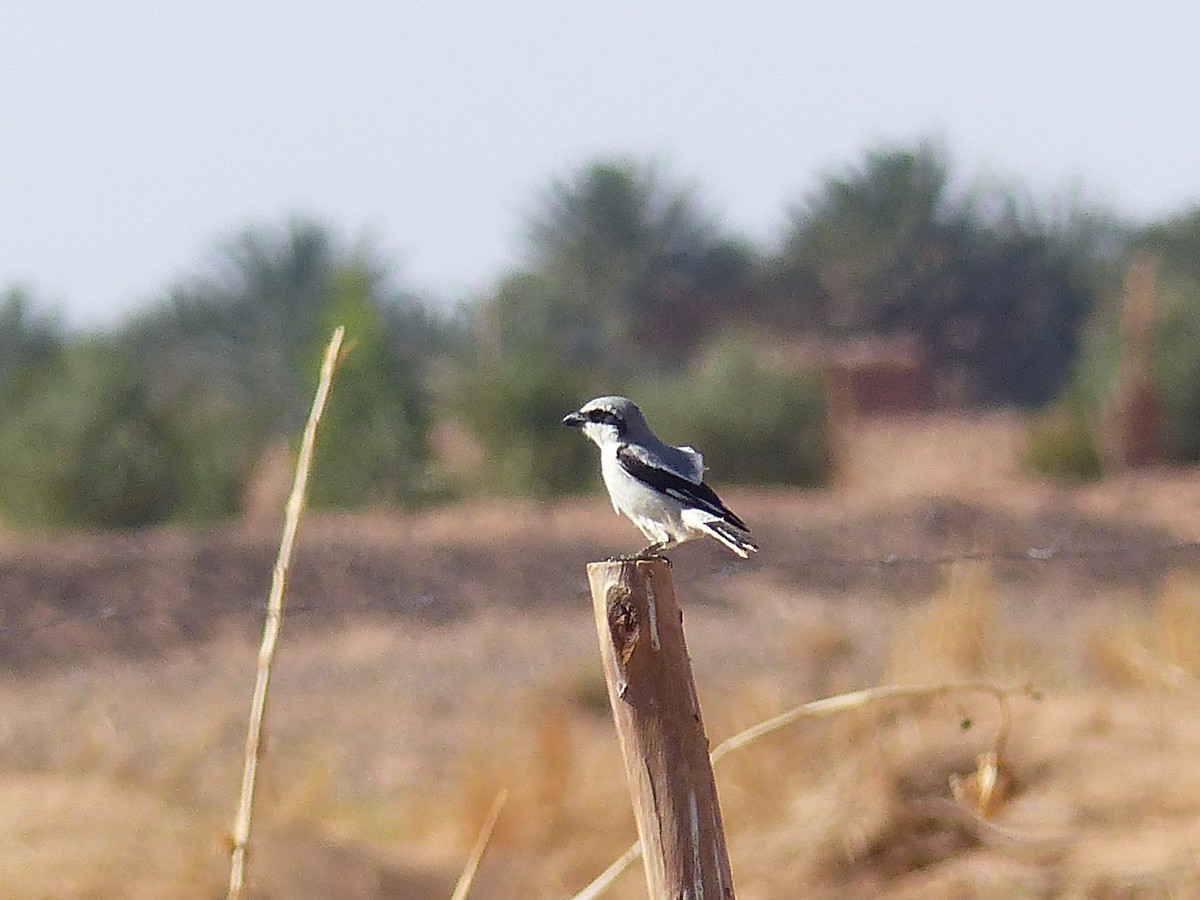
(430, 660)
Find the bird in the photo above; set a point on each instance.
(660, 488)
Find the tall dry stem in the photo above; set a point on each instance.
(240, 838)
(463, 887)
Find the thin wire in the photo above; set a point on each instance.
(116, 612)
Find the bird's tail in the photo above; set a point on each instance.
(737, 541)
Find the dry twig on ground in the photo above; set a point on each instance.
(816, 709)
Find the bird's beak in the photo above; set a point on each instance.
(574, 420)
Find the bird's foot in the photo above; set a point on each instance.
(653, 552)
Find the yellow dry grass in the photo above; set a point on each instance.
(391, 735)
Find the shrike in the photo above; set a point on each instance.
(659, 487)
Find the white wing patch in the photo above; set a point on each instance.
(697, 473)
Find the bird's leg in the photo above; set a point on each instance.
(654, 551)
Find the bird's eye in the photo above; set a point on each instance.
(603, 417)
(606, 417)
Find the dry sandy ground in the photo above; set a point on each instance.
(429, 660)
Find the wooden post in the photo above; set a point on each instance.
(654, 704)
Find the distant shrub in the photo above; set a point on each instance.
(218, 444)
(514, 408)
(1066, 439)
(754, 423)
(233, 361)
(1176, 366)
(375, 433)
(1062, 444)
(88, 450)
(31, 348)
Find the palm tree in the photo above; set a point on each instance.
(996, 302)
(878, 238)
(240, 348)
(635, 261)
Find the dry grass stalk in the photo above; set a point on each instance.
(1160, 651)
(826, 707)
(952, 638)
(605, 879)
(858, 699)
(240, 838)
(471, 866)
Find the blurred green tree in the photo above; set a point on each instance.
(248, 328)
(169, 416)
(624, 269)
(1175, 244)
(626, 274)
(1176, 240)
(756, 423)
(252, 334)
(1176, 363)
(513, 405)
(31, 349)
(878, 238)
(375, 437)
(997, 300)
(88, 449)
(1137, 376)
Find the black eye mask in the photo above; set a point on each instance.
(605, 417)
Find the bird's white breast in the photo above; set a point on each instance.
(657, 516)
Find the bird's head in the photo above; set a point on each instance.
(607, 419)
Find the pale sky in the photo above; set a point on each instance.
(135, 136)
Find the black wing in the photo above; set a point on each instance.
(699, 495)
